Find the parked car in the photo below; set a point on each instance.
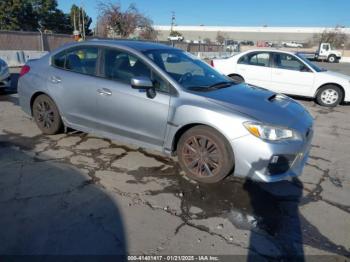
(232, 45)
(5, 78)
(247, 42)
(163, 98)
(325, 52)
(292, 44)
(176, 38)
(288, 73)
(264, 44)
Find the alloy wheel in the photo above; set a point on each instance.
(45, 114)
(202, 156)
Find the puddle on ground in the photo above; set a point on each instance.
(246, 204)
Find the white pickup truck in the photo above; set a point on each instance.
(175, 38)
(325, 52)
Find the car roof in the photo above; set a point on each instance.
(133, 44)
(268, 50)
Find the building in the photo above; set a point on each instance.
(273, 34)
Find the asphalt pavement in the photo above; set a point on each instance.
(77, 194)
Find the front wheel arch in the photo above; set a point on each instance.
(186, 127)
(227, 165)
(334, 84)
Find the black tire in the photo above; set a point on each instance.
(332, 59)
(214, 156)
(237, 79)
(329, 96)
(46, 115)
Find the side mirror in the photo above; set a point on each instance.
(173, 60)
(144, 82)
(141, 82)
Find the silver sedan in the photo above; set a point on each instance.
(165, 99)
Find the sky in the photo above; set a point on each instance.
(310, 13)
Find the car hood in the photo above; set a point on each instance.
(260, 104)
(335, 75)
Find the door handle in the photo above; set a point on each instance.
(104, 91)
(55, 79)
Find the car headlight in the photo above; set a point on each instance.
(271, 133)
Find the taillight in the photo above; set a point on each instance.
(25, 69)
(212, 63)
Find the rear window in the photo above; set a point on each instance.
(81, 60)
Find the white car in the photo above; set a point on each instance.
(292, 44)
(288, 73)
(5, 80)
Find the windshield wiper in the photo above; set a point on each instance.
(211, 87)
(222, 84)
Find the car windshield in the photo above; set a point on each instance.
(187, 70)
(312, 65)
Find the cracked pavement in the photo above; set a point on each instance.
(75, 193)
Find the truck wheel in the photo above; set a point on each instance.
(332, 59)
(329, 96)
(205, 155)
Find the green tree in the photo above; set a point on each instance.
(175, 33)
(29, 15)
(17, 15)
(49, 17)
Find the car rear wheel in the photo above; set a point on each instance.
(205, 155)
(329, 95)
(237, 79)
(46, 115)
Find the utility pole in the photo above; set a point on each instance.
(74, 21)
(79, 20)
(172, 21)
(83, 23)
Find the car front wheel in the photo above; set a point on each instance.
(329, 95)
(205, 155)
(46, 115)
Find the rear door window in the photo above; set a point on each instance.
(59, 60)
(259, 59)
(81, 60)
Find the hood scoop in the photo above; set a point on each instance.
(279, 97)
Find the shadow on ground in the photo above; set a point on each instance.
(51, 208)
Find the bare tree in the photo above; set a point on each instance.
(122, 23)
(207, 40)
(149, 33)
(336, 37)
(220, 38)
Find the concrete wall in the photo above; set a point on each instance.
(276, 34)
